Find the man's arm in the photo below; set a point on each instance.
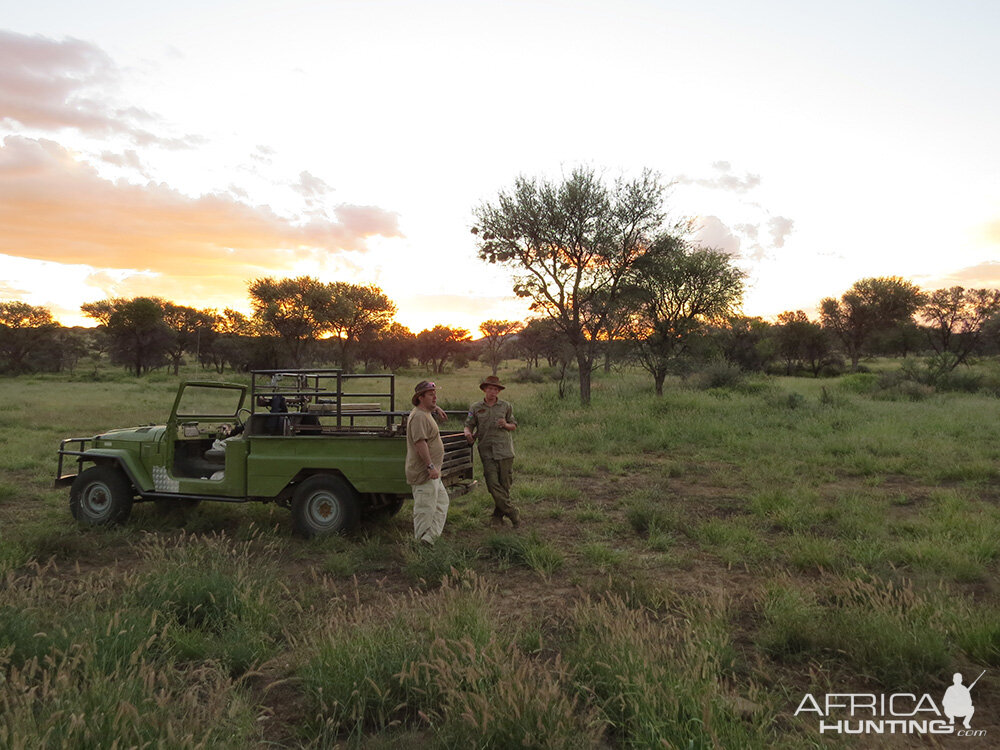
(470, 422)
(425, 455)
(507, 422)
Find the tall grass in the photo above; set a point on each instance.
(855, 533)
(883, 632)
(81, 668)
(673, 690)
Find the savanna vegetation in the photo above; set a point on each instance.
(736, 512)
(691, 565)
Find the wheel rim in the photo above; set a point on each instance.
(323, 510)
(96, 499)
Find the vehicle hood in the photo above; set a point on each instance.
(147, 434)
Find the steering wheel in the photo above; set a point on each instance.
(241, 420)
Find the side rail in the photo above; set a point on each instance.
(457, 455)
(456, 468)
(71, 447)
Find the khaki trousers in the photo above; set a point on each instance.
(499, 475)
(430, 509)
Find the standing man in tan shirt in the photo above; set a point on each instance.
(491, 421)
(424, 455)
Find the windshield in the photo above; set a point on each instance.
(209, 401)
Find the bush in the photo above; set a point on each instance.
(530, 375)
(859, 382)
(718, 374)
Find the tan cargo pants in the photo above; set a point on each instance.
(430, 509)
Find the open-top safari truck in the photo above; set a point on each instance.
(327, 444)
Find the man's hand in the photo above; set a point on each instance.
(469, 436)
(440, 414)
(434, 473)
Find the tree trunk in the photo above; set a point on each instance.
(658, 377)
(584, 363)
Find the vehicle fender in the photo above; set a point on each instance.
(127, 461)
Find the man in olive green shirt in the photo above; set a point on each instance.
(491, 421)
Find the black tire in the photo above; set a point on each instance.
(101, 496)
(391, 508)
(322, 505)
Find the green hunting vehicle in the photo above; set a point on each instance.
(306, 442)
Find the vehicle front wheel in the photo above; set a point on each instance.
(324, 505)
(101, 496)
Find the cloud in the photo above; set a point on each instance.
(311, 187)
(779, 227)
(724, 181)
(713, 233)
(50, 85)
(127, 160)
(8, 291)
(56, 208)
(263, 155)
(985, 275)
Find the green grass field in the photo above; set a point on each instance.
(689, 567)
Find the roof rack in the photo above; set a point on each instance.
(295, 392)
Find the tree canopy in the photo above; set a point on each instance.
(674, 289)
(868, 306)
(570, 245)
(496, 334)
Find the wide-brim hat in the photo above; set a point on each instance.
(491, 380)
(422, 387)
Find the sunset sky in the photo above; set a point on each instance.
(182, 149)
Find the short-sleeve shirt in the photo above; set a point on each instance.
(494, 442)
(421, 425)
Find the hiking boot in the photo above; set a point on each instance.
(515, 521)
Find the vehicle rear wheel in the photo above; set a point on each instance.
(322, 505)
(101, 496)
(391, 508)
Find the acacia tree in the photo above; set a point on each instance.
(745, 342)
(391, 346)
(955, 320)
(496, 333)
(24, 330)
(355, 312)
(191, 328)
(801, 342)
(437, 345)
(292, 309)
(869, 306)
(139, 339)
(533, 340)
(570, 245)
(675, 289)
